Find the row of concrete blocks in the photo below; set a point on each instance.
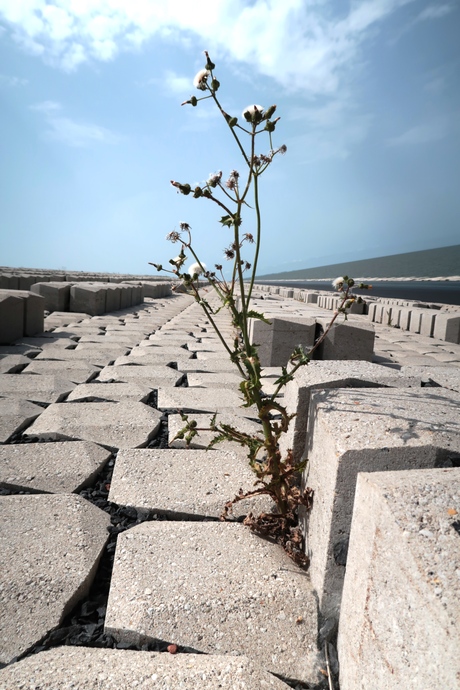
(22, 311)
(383, 533)
(344, 341)
(23, 280)
(431, 322)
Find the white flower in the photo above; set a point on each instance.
(200, 79)
(251, 109)
(196, 270)
(338, 282)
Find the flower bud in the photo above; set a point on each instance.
(197, 193)
(269, 112)
(183, 188)
(209, 64)
(215, 85)
(253, 113)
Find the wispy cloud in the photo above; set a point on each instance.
(301, 44)
(435, 12)
(70, 132)
(334, 128)
(7, 80)
(424, 133)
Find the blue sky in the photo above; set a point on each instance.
(93, 131)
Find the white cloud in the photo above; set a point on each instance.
(301, 44)
(421, 134)
(333, 129)
(435, 12)
(70, 132)
(7, 80)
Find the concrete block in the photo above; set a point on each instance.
(221, 608)
(50, 546)
(341, 374)
(56, 295)
(201, 400)
(113, 425)
(428, 322)
(112, 298)
(87, 667)
(64, 467)
(447, 327)
(14, 416)
(10, 364)
(147, 375)
(39, 389)
(25, 282)
(346, 341)
(89, 299)
(126, 292)
(11, 318)
(365, 431)
(77, 371)
(278, 340)
(110, 392)
(185, 483)
(404, 318)
(400, 618)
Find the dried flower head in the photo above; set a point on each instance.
(253, 113)
(184, 226)
(338, 282)
(214, 179)
(249, 237)
(196, 270)
(229, 253)
(173, 236)
(200, 80)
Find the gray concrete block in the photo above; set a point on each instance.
(11, 318)
(201, 400)
(148, 375)
(120, 669)
(51, 467)
(56, 295)
(15, 415)
(400, 618)
(77, 371)
(346, 341)
(110, 392)
(446, 377)
(341, 374)
(264, 609)
(112, 298)
(33, 311)
(185, 483)
(113, 425)
(89, 299)
(447, 327)
(366, 431)
(278, 340)
(204, 380)
(40, 389)
(10, 364)
(204, 438)
(50, 546)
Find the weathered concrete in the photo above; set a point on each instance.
(50, 546)
(447, 327)
(201, 400)
(34, 309)
(184, 483)
(11, 318)
(56, 296)
(204, 438)
(363, 430)
(77, 371)
(345, 374)
(50, 467)
(15, 415)
(110, 392)
(278, 339)
(204, 380)
(83, 668)
(39, 389)
(149, 375)
(446, 377)
(10, 364)
(400, 620)
(194, 595)
(347, 341)
(114, 425)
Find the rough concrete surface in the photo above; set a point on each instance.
(81, 668)
(400, 620)
(180, 582)
(50, 546)
(51, 467)
(152, 376)
(200, 400)
(15, 415)
(366, 430)
(77, 372)
(114, 425)
(184, 483)
(40, 389)
(114, 392)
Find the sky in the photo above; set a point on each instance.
(93, 131)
